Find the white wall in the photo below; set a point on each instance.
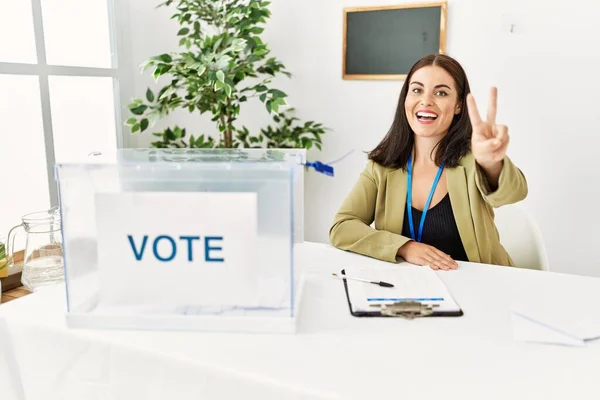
(548, 96)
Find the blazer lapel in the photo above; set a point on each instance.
(395, 201)
(459, 197)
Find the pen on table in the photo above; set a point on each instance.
(380, 283)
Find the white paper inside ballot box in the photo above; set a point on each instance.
(177, 249)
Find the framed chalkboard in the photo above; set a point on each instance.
(384, 42)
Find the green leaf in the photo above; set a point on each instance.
(217, 44)
(277, 93)
(135, 128)
(279, 101)
(167, 93)
(183, 31)
(260, 52)
(256, 30)
(153, 117)
(228, 90)
(168, 134)
(165, 58)
(219, 85)
(178, 132)
(149, 95)
(144, 124)
(262, 97)
(131, 121)
(274, 107)
(147, 64)
(221, 76)
(201, 70)
(197, 26)
(138, 110)
(157, 73)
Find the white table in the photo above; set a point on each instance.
(333, 356)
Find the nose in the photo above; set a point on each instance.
(427, 99)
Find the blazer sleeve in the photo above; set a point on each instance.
(512, 185)
(351, 228)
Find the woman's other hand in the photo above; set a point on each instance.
(423, 254)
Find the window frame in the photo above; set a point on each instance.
(119, 72)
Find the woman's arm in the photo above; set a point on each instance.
(492, 173)
(510, 184)
(351, 228)
(497, 178)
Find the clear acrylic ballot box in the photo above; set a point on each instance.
(182, 239)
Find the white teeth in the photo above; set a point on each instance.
(426, 114)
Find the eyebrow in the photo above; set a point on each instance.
(435, 87)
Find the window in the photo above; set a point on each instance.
(59, 97)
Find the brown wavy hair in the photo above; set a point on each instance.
(395, 148)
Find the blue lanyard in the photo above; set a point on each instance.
(409, 200)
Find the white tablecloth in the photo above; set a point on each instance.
(333, 355)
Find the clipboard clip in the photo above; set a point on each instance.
(408, 309)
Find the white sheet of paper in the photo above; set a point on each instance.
(576, 317)
(561, 305)
(201, 281)
(527, 330)
(566, 316)
(410, 283)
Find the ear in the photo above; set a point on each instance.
(457, 109)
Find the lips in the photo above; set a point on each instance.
(426, 116)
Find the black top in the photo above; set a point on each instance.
(439, 230)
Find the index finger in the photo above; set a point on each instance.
(491, 112)
(472, 109)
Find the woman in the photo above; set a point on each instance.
(438, 156)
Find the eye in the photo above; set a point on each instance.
(442, 93)
(417, 90)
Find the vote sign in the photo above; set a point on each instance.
(165, 250)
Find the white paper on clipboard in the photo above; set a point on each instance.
(410, 282)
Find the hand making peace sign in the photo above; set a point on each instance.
(489, 141)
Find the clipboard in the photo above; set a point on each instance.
(409, 310)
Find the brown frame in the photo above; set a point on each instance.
(442, 49)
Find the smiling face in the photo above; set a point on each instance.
(431, 101)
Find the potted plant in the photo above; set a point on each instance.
(222, 64)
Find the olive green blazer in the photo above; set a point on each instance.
(379, 197)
